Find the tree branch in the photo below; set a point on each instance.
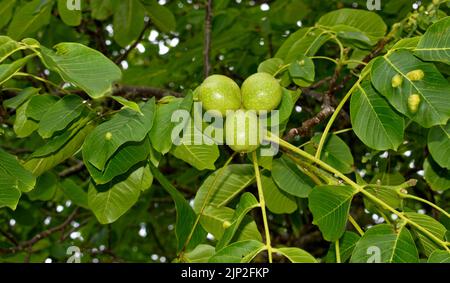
(207, 39)
(327, 108)
(133, 46)
(144, 91)
(28, 244)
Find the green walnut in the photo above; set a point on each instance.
(260, 92)
(219, 93)
(242, 131)
(397, 81)
(416, 75)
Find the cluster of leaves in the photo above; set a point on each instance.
(72, 135)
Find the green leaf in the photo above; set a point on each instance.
(111, 201)
(201, 254)
(374, 121)
(75, 193)
(23, 127)
(201, 156)
(439, 144)
(335, 152)
(101, 9)
(6, 11)
(125, 126)
(30, 18)
(396, 246)
(7, 71)
(387, 194)
(296, 255)
(430, 224)
(8, 46)
(39, 105)
(21, 98)
(224, 184)
(127, 103)
(290, 179)
(14, 179)
(368, 23)
(161, 133)
(60, 115)
(40, 165)
(239, 252)
(45, 189)
(245, 205)
(69, 17)
(123, 159)
(215, 219)
(330, 206)
(352, 36)
(83, 67)
(433, 108)
(277, 201)
(305, 41)
(270, 66)
(347, 244)
(161, 16)
(439, 257)
(438, 178)
(435, 44)
(186, 217)
(128, 21)
(56, 143)
(302, 71)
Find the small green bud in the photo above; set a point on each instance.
(413, 102)
(226, 224)
(108, 136)
(416, 75)
(397, 81)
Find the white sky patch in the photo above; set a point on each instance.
(124, 65)
(12, 222)
(265, 7)
(154, 257)
(421, 173)
(163, 49)
(75, 235)
(48, 260)
(110, 30)
(407, 153)
(47, 220)
(210, 237)
(162, 2)
(174, 42)
(143, 230)
(141, 48)
(298, 109)
(394, 217)
(153, 36)
(59, 208)
(299, 24)
(421, 211)
(385, 155)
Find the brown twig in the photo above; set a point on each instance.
(28, 244)
(72, 170)
(207, 39)
(327, 108)
(144, 91)
(124, 55)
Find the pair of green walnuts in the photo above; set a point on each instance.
(259, 92)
